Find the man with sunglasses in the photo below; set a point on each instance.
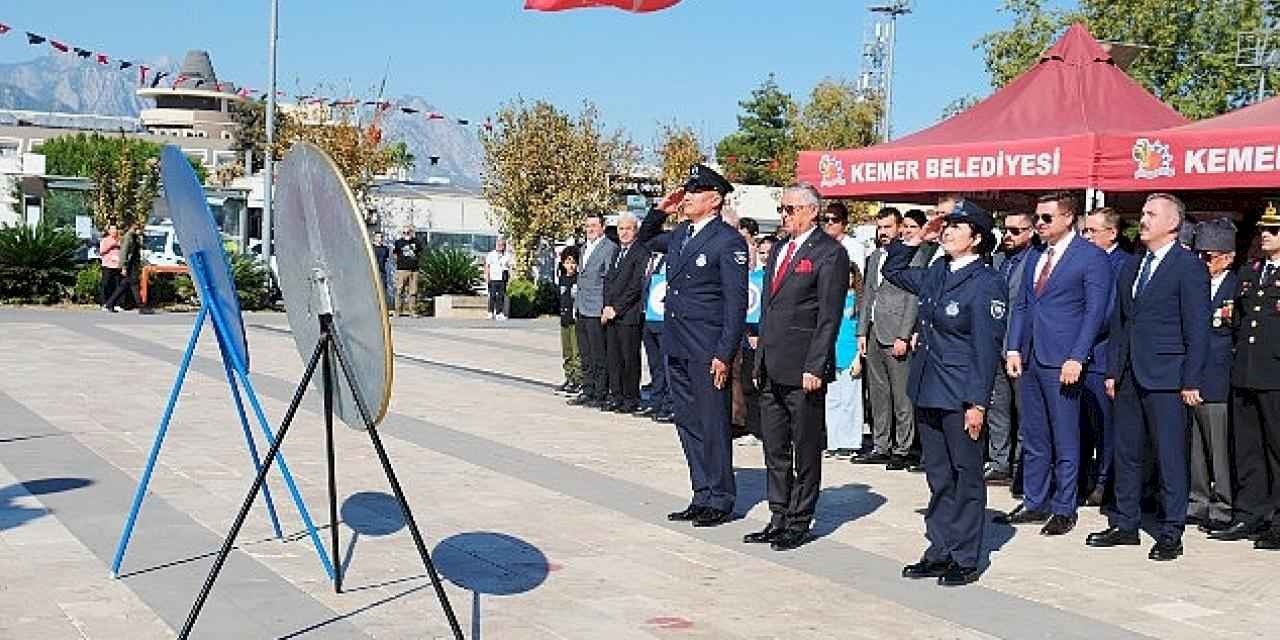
(1056, 319)
(1255, 404)
(1015, 244)
(1101, 227)
(1211, 472)
(705, 310)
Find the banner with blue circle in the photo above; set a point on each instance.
(654, 307)
(755, 292)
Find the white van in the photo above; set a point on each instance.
(160, 245)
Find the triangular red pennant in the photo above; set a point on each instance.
(59, 46)
(102, 59)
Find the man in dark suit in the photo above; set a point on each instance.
(623, 314)
(1211, 477)
(1155, 369)
(1015, 244)
(1066, 284)
(888, 318)
(805, 282)
(1102, 228)
(706, 308)
(1255, 394)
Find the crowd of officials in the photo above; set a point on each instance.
(1057, 358)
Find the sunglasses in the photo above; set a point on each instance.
(1045, 218)
(831, 220)
(1016, 231)
(788, 209)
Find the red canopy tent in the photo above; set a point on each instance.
(1237, 150)
(1038, 132)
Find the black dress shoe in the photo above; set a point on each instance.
(1112, 537)
(915, 466)
(1095, 497)
(1212, 526)
(1165, 550)
(1022, 515)
(926, 569)
(711, 518)
(611, 407)
(1236, 531)
(646, 411)
(1270, 541)
(690, 512)
(870, 458)
(958, 576)
(1058, 525)
(768, 534)
(791, 539)
(664, 418)
(996, 478)
(897, 463)
(580, 400)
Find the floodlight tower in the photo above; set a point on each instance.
(1260, 49)
(891, 11)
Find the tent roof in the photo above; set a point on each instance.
(1075, 88)
(1262, 114)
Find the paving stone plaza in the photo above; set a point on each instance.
(547, 521)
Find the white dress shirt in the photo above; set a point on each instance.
(1216, 282)
(1158, 257)
(587, 249)
(1059, 248)
(798, 242)
(960, 263)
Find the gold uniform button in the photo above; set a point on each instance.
(1253, 324)
(1257, 308)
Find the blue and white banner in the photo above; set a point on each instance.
(655, 306)
(755, 293)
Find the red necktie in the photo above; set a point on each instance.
(782, 268)
(1043, 278)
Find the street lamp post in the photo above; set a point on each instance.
(268, 168)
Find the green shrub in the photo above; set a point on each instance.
(162, 290)
(88, 285)
(253, 287)
(548, 300)
(522, 297)
(36, 264)
(447, 271)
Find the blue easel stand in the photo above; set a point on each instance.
(234, 368)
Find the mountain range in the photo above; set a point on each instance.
(67, 84)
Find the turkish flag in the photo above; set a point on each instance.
(634, 6)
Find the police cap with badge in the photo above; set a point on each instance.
(978, 219)
(704, 178)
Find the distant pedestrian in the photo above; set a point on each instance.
(497, 271)
(109, 252)
(131, 270)
(382, 255)
(406, 250)
(568, 321)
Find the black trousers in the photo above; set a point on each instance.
(498, 297)
(110, 277)
(1256, 438)
(1150, 424)
(659, 396)
(750, 393)
(795, 432)
(129, 282)
(952, 460)
(592, 352)
(624, 362)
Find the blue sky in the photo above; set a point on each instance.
(692, 63)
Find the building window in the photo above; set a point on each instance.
(224, 157)
(33, 143)
(202, 134)
(10, 147)
(226, 135)
(200, 155)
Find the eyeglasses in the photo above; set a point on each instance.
(788, 209)
(1016, 231)
(831, 220)
(1046, 218)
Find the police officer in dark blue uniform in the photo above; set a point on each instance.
(706, 307)
(963, 304)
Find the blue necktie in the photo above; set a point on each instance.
(1145, 274)
(687, 238)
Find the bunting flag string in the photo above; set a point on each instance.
(150, 80)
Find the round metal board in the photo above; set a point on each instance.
(326, 264)
(198, 233)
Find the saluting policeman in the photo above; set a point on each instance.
(1255, 404)
(963, 304)
(706, 308)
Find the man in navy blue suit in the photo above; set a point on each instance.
(706, 308)
(1066, 284)
(1155, 369)
(1102, 228)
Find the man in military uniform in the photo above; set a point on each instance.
(705, 309)
(1255, 404)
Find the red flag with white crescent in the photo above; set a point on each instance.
(634, 6)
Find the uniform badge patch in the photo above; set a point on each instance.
(997, 309)
(702, 260)
(740, 257)
(953, 309)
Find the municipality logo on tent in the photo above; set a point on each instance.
(831, 169)
(1153, 160)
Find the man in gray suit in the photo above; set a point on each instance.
(1015, 242)
(597, 254)
(884, 335)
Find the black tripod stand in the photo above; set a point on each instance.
(326, 349)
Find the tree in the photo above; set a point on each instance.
(959, 105)
(400, 158)
(359, 157)
(679, 149)
(545, 169)
(762, 150)
(838, 116)
(1188, 56)
(251, 129)
(125, 173)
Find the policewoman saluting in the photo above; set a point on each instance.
(961, 326)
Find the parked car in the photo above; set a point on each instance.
(161, 246)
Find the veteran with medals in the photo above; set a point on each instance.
(963, 307)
